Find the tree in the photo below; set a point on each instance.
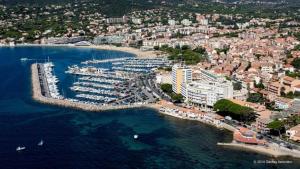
(296, 63)
(237, 86)
(228, 108)
(255, 98)
(177, 98)
(260, 85)
(167, 88)
(277, 126)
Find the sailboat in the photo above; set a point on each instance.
(41, 143)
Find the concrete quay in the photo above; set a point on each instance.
(38, 86)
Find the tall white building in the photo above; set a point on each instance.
(208, 89)
(204, 93)
(180, 75)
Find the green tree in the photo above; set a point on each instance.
(276, 126)
(228, 108)
(237, 86)
(255, 98)
(177, 98)
(167, 88)
(296, 63)
(260, 85)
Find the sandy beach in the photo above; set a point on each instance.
(139, 53)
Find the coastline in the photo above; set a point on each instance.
(37, 96)
(272, 150)
(137, 52)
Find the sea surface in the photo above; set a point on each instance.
(103, 140)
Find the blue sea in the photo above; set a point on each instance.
(104, 140)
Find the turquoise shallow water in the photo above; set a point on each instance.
(81, 140)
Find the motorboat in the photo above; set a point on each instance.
(20, 148)
(41, 143)
(24, 59)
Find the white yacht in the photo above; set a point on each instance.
(20, 148)
(24, 59)
(41, 143)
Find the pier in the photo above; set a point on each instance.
(105, 60)
(41, 94)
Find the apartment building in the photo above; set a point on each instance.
(204, 93)
(180, 75)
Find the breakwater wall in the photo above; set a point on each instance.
(38, 96)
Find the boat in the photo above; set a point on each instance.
(20, 148)
(24, 59)
(41, 143)
(136, 136)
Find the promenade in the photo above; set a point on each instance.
(38, 96)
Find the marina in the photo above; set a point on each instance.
(48, 80)
(120, 84)
(96, 91)
(97, 85)
(41, 94)
(101, 80)
(60, 120)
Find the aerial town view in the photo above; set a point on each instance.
(150, 84)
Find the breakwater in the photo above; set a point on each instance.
(38, 87)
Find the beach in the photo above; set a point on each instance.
(137, 52)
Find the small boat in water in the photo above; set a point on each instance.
(41, 143)
(136, 136)
(24, 59)
(18, 149)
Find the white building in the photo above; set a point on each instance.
(294, 133)
(206, 93)
(186, 22)
(137, 21)
(171, 22)
(205, 75)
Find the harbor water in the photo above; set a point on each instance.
(75, 139)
